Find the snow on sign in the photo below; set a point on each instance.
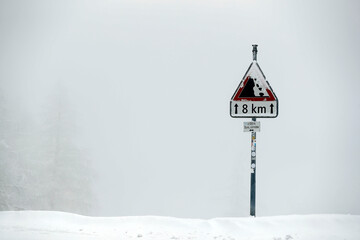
(254, 98)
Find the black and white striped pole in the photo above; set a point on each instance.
(253, 173)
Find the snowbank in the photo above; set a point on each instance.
(57, 225)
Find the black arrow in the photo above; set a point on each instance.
(236, 107)
(272, 108)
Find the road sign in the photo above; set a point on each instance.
(251, 126)
(254, 97)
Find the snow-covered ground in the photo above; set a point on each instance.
(58, 225)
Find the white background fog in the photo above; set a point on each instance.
(149, 85)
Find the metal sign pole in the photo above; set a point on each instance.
(253, 157)
(253, 172)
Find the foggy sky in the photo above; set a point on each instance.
(150, 84)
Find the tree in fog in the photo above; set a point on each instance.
(6, 183)
(17, 154)
(41, 168)
(67, 172)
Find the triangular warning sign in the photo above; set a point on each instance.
(254, 86)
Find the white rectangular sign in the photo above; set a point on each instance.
(251, 109)
(252, 126)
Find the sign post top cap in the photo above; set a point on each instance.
(254, 52)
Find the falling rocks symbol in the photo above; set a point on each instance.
(248, 90)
